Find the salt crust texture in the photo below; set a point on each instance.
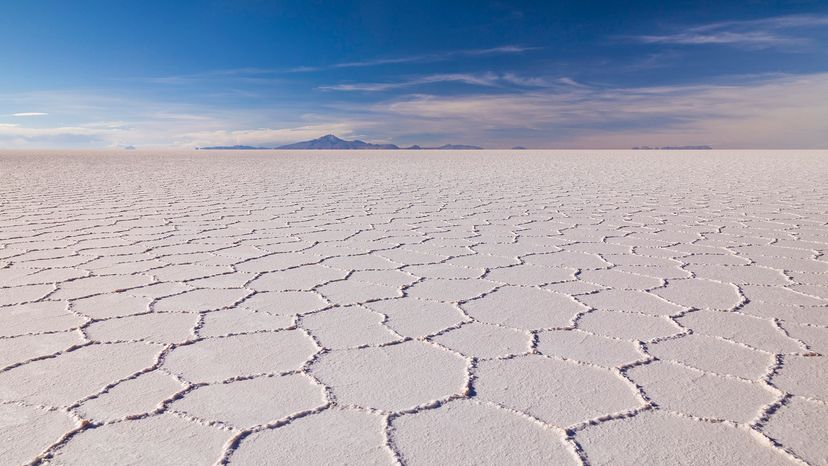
(428, 308)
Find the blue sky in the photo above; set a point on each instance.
(576, 74)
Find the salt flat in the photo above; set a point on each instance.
(414, 307)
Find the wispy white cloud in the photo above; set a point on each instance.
(780, 31)
(29, 114)
(479, 79)
(18, 135)
(760, 39)
(571, 82)
(270, 75)
(422, 58)
(144, 122)
(765, 111)
(504, 49)
(773, 22)
(488, 79)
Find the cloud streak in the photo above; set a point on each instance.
(423, 58)
(776, 32)
(266, 75)
(758, 39)
(777, 111)
(487, 79)
(479, 79)
(725, 115)
(29, 114)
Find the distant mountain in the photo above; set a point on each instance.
(445, 147)
(673, 148)
(232, 148)
(518, 148)
(456, 147)
(330, 141)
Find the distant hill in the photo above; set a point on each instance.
(232, 148)
(445, 147)
(673, 148)
(329, 141)
(456, 147)
(518, 148)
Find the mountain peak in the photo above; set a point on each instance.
(329, 141)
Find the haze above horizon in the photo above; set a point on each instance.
(585, 74)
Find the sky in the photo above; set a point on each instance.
(539, 74)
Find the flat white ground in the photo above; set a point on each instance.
(414, 307)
